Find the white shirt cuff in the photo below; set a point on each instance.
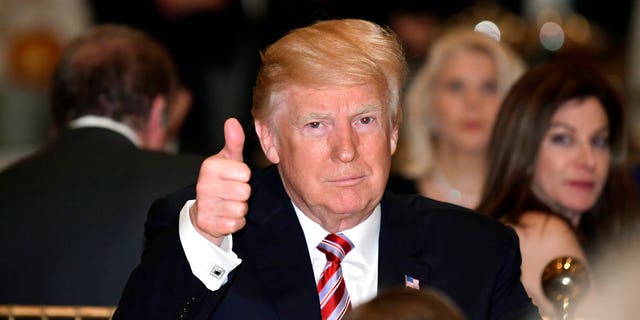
(209, 263)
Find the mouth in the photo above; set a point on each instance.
(585, 186)
(346, 181)
(472, 125)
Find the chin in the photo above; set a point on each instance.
(580, 207)
(346, 208)
(475, 146)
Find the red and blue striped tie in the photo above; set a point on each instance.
(334, 298)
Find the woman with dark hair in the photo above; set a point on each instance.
(557, 168)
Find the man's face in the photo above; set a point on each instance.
(333, 147)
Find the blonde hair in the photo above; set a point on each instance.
(416, 152)
(332, 53)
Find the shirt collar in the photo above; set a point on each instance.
(364, 236)
(93, 121)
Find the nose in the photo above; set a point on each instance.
(587, 157)
(344, 143)
(473, 99)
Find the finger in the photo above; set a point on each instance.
(222, 226)
(233, 190)
(233, 140)
(231, 221)
(217, 167)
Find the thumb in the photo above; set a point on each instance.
(233, 140)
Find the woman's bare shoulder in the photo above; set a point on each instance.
(545, 236)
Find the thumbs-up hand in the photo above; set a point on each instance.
(223, 188)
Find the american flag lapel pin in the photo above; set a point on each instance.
(411, 282)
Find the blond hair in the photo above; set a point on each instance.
(416, 152)
(340, 52)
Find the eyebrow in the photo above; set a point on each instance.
(326, 115)
(572, 129)
(313, 116)
(561, 125)
(371, 107)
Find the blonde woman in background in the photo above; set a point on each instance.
(450, 106)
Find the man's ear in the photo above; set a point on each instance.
(393, 139)
(155, 135)
(268, 141)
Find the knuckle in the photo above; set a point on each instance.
(244, 191)
(239, 209)
(236, 224)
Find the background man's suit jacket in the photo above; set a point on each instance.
(72, 216)
(471, 258)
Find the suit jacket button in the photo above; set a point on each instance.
(185, 309)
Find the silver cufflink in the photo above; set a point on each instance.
(217, 272)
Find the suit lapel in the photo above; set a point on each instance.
(277, 246)
(283, 264)
(400, 252)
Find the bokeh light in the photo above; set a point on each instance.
(489, 28)
(551, 36)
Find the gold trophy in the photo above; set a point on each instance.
(565, 280)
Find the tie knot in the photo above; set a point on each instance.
(335, 246)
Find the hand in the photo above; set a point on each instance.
(223, 188)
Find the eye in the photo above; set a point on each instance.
(366, 120)
(454, 86)
(490, 87)
(561, 139)
(314, 124)
(600, 141)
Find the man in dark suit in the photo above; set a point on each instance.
(73, 212)
(253, 245)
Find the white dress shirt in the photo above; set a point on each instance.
(92, 121)
(360, 265)
(211, 264)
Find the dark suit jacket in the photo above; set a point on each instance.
(473, 259)
(399, 184)
(72, 216)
